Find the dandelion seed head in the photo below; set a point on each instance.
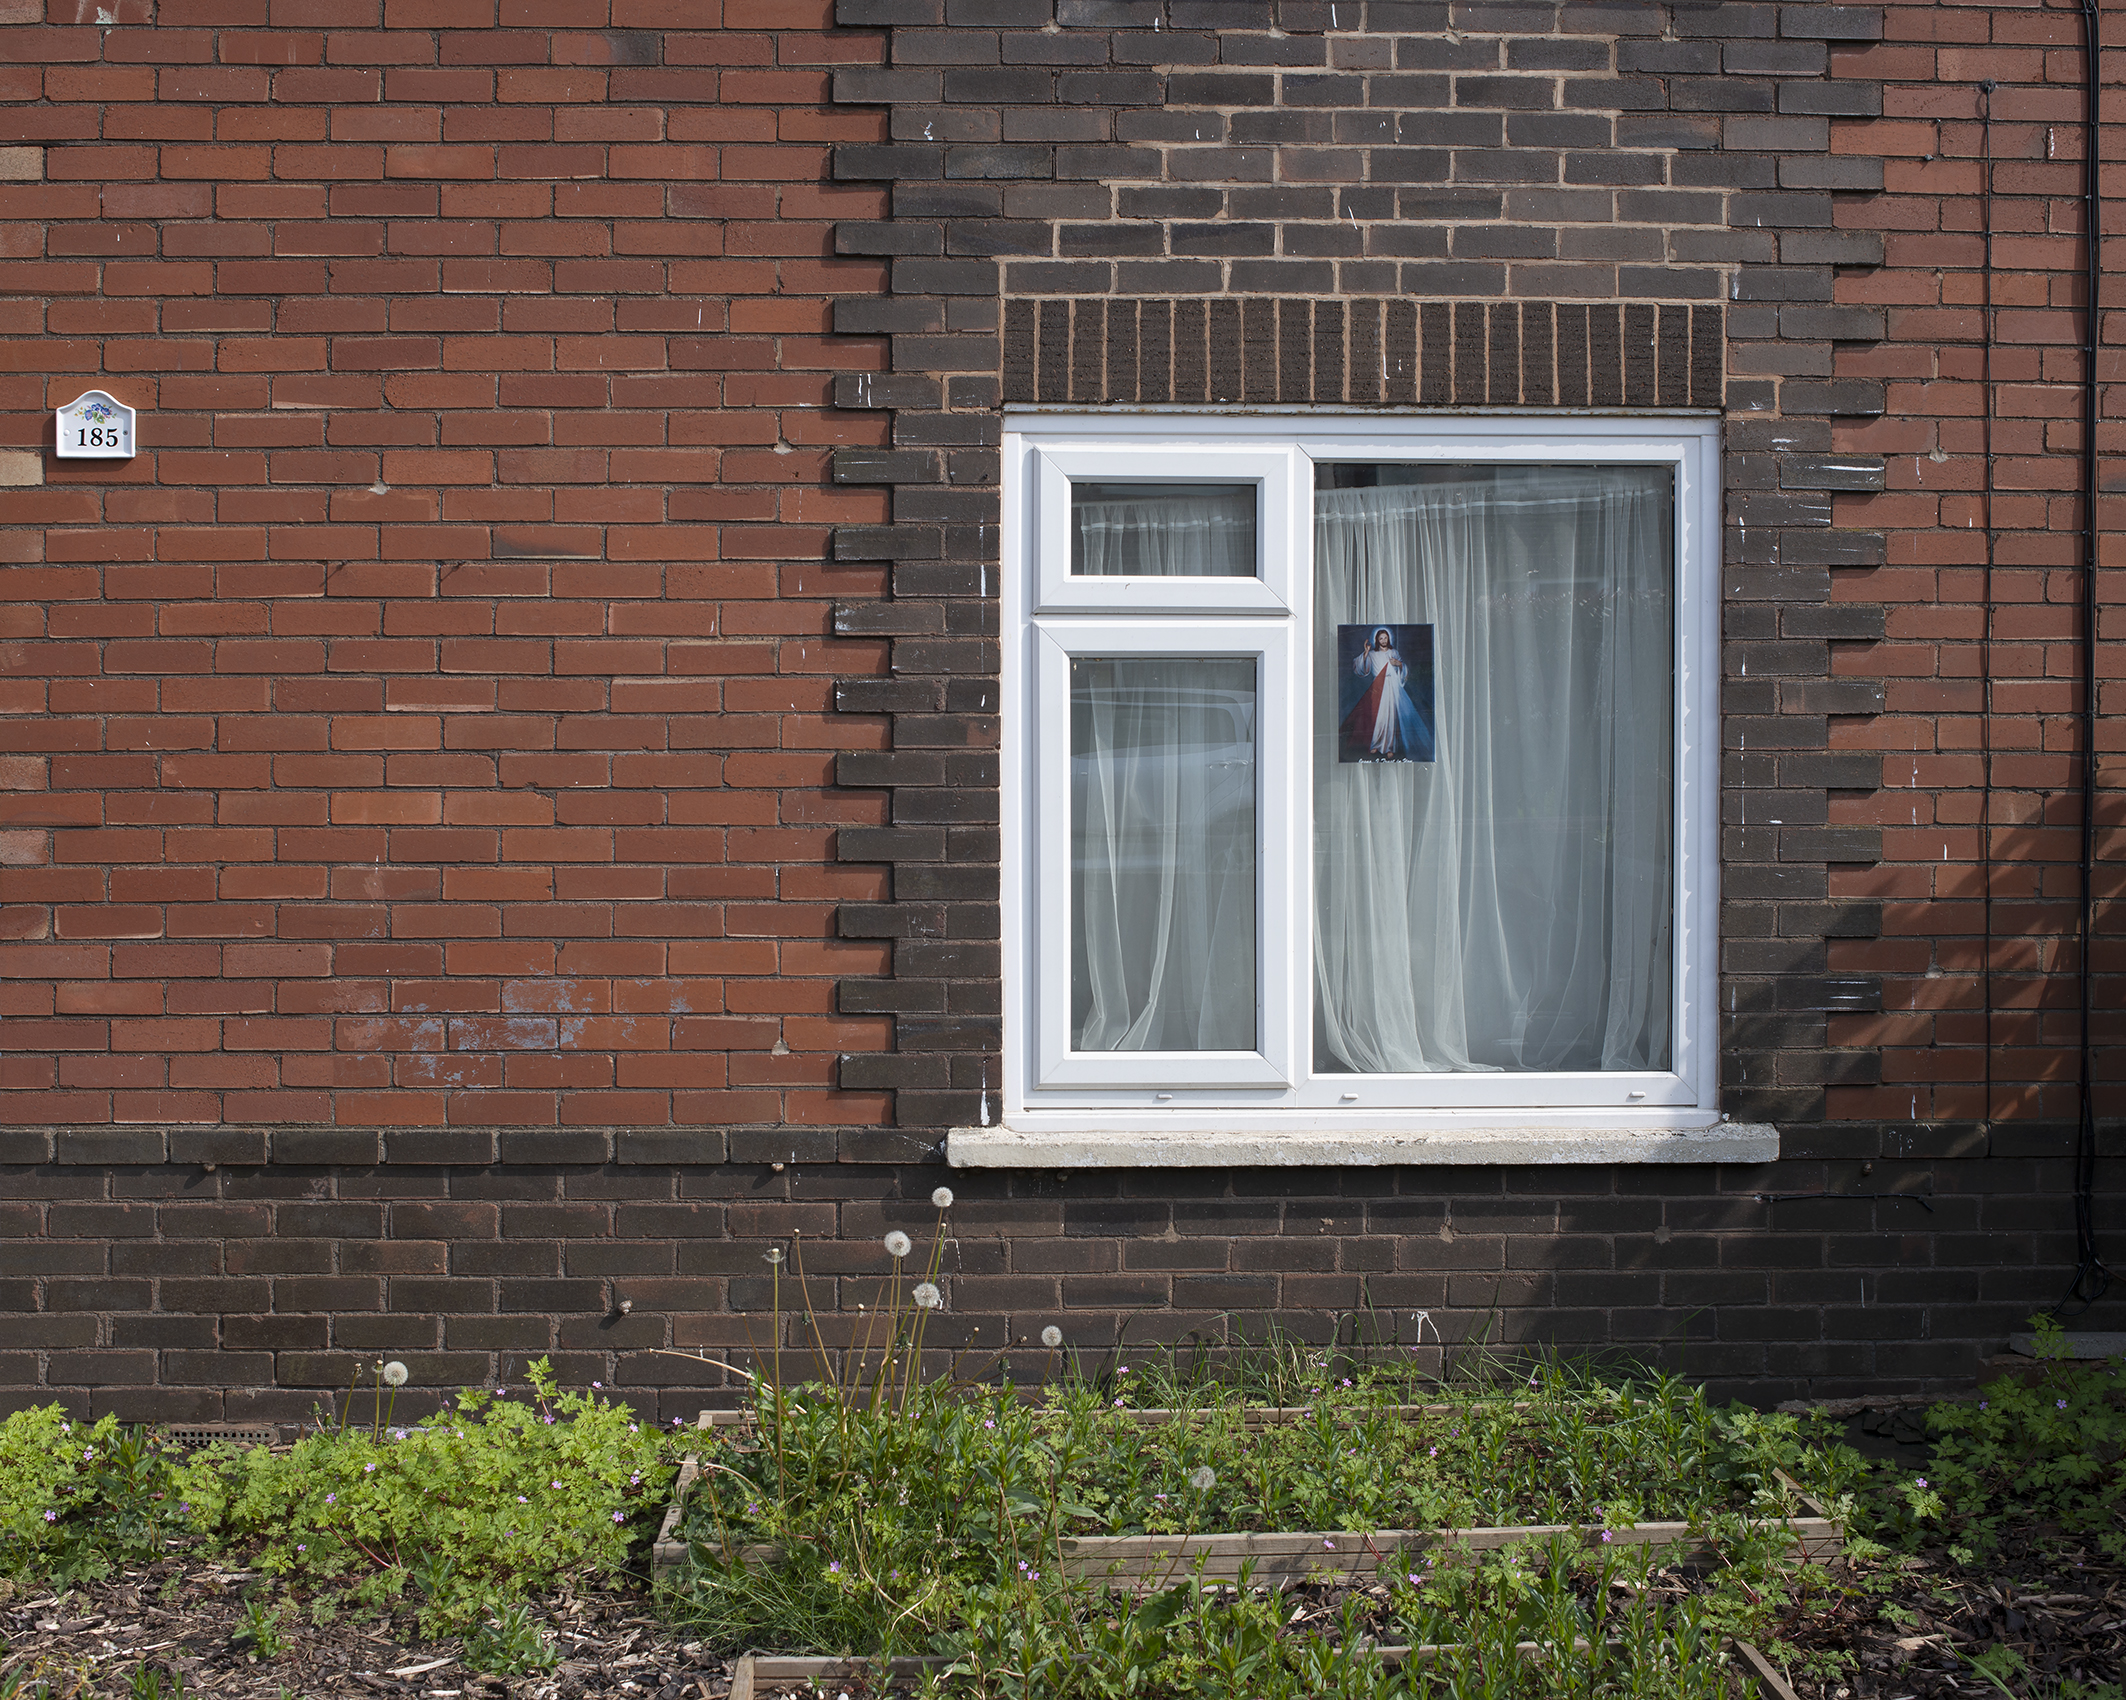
(897, 1244)
(1051, 1336)
(942, 1198)
(395, 1374)
(927, 1296)
(1203, 1478)
(772, 1256)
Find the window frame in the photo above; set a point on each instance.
(1047, 1092)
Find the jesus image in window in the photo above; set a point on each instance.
(1384, 692)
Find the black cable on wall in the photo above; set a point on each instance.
(2091, 1278)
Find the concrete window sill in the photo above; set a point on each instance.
(1150, 1148)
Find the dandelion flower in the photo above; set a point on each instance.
(942, 1198)
(1203, 1478)
(395, 1374)
(927, 1296)
(897, 1244)
(1051, 1336)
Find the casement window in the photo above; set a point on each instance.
(1359, 792)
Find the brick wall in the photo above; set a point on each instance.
(531, 707)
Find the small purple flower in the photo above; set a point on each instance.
(1922, 1481)
(598, 1384)
(521, 1500)
(2060, 1403)
(368, 1469)
(619, 1517)
(299, 1547)
(51, 1516)
(548, 1418)
(1416, 1581)
(835, 1569)
(332, 1499)
(1607, 1537)
(989, 1422)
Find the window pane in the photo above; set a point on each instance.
(1162, 530)
(1162, 831)
(1494, 748)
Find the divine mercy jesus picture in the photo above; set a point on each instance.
(1384, 693)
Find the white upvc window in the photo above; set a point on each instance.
(1359, 792)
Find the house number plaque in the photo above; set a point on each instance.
(95, 426)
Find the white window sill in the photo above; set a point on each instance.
(1008, 1148)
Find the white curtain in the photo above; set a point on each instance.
(1163, 535)
(1508, 904)
(1163, 855)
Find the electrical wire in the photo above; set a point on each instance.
(1985, 634)
(2091, 1278)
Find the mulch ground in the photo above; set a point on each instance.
(1915, 1632)
(1909, 1631)
(179, 1620)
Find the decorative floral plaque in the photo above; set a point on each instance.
(96, 426)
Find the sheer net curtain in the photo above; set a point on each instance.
(1161, 531)
(1508, 904)
(1163, 853)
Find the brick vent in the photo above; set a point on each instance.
(1364, 353)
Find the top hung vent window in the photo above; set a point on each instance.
(1360, 777)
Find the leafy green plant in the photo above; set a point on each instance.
(151, 1682)
(78, 1499)
(258, 1632)
(496, 1499)
(2053, 1448)
(510, 1643)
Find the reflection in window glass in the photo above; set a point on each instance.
(1162, 530)
(1163, 854)
(1494, 752)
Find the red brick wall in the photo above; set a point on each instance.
(1945, 727)
(431, 729)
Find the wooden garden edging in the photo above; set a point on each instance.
(756, 1673)
(1280, 1558)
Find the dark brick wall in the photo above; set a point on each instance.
(500, 798)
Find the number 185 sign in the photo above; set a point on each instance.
(95, 427)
